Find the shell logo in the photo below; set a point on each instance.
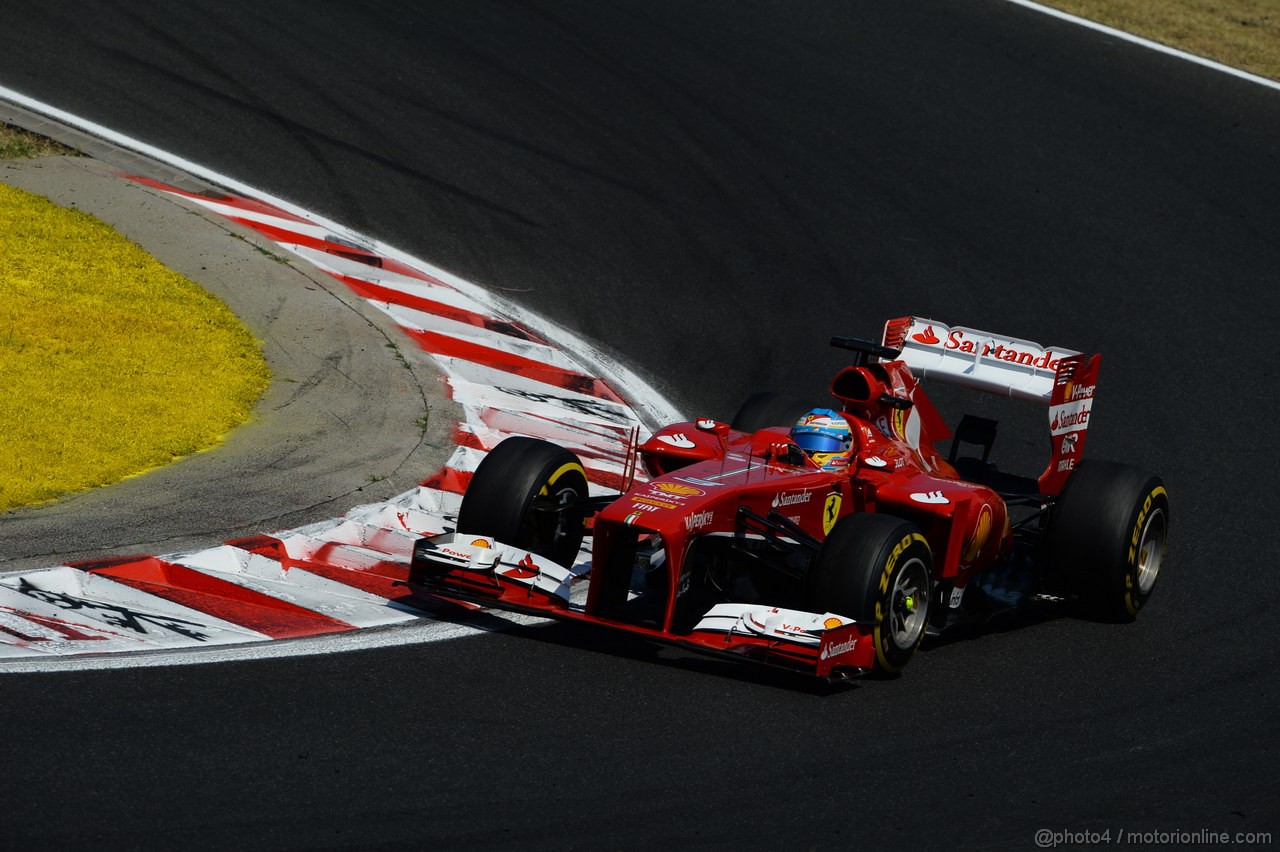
(832, 623)
(677, 489)
(481, 542)
(981, 532)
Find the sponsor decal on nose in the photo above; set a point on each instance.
(698, 520)
(677, 489)
(835, 649)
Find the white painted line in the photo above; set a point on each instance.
(1147, 43)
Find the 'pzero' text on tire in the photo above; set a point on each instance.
(876, 569)
(526, 492)
(1107, 536)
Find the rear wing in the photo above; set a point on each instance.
(976, 359)
(1060, 378)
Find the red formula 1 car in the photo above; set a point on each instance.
(827, 542)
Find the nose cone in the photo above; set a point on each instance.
(668, 504)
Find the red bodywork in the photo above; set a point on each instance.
(704, 476)
(893, 468)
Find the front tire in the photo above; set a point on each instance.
(1107, 536)
(527, 493)
(878, 570)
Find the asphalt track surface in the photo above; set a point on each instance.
(710, 190)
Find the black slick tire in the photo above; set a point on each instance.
(1107, 536)
(876, 569)
(526, 492)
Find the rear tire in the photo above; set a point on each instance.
(1107, 536)
(876, 569)
(526, 493)
(766, 409)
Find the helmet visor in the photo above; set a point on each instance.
(813, 443)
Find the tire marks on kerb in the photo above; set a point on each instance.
(349, 573)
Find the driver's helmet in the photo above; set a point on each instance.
(822, 431)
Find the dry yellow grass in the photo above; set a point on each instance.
(1244, 34)
(110, 364)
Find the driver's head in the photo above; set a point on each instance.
(822, 430)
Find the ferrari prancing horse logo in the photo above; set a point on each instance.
(830, 512)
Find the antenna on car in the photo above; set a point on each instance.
(633, 459)
(865, 349)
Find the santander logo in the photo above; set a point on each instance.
(1070, 416)
(926, 337)
(956, 340)
(524, 569)
(1042, 359)
(792, 499)
(835, 649)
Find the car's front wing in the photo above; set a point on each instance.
(482, 570)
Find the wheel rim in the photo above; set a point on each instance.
(1151, 550)
(909, 604)
(550, 521)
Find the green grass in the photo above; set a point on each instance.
(1244, 34)
(16, 143)
(111, 363)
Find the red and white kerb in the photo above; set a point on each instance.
(347, 573)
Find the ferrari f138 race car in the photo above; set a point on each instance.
(827, 541)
